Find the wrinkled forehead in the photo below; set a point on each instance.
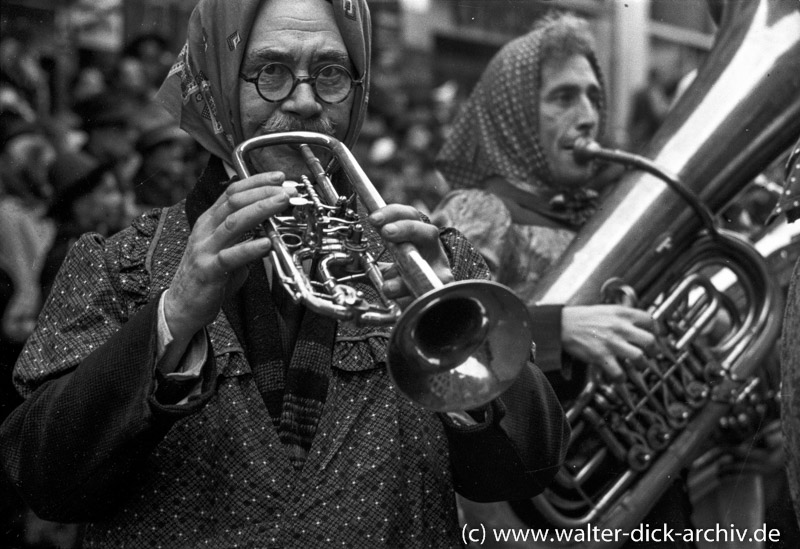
(298, 14)
(575, 69)
(293, 28)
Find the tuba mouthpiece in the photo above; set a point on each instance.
(585, 150)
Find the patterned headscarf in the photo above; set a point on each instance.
(202, 88)
(497, 130)
(789, 202)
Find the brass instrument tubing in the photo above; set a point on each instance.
(605, 433)
(590, 467)
(322, 179)
(586, 149)
(374, 274)
(328, 280)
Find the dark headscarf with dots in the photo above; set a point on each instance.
(497, 130)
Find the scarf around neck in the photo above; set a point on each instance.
(288, 348)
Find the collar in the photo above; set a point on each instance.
(562, 210)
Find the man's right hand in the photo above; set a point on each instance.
(214, 261)
(605, 335)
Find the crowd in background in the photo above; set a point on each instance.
(108, 153)
(105, 153)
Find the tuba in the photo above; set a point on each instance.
(455, 347)
(655, 243)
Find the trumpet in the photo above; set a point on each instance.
(455, 347)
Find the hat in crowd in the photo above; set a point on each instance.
(73, 175)
(105, 109)
(13, 125)
(159, 135)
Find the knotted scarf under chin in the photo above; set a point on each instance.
(288, 347)
(574, 208)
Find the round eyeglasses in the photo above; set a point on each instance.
(275, 82)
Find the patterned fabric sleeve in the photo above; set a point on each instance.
(97, 289)
(482, 218)
(75, 447)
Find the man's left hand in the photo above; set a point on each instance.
(397, 223)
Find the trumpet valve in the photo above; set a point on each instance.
(356, 247)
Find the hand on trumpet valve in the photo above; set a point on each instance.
(398, 224)
(217, 252)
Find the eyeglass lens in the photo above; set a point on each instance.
(331, 83)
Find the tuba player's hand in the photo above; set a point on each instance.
(607, 335)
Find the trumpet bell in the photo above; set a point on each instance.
(458, 347)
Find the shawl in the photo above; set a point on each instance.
(288, 348)
(496, 134)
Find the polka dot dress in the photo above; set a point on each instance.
(377, 473)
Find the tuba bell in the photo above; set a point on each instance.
(655, 242)
(455, 347)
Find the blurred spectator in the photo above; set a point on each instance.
(397, 152)
(650, 106)
(129, 79)
(64, 131)
(111, 134)
(21, 72)
(22, 249)
(446, 100)
(164, 176)
(87, 198)
(25, 234)
(388, 99)
(89, 82)
(26, 153)
(152, 50)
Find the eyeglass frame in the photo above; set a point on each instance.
(297, 80)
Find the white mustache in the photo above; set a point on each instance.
(280, 122)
